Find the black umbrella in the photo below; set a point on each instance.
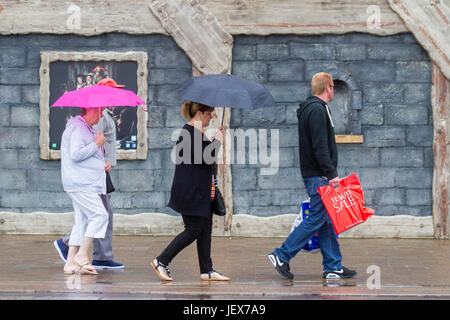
(225, 91)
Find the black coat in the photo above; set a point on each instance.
(317, 144)
(191, 187)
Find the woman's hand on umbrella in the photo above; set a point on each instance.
(219, 134)
(99, 139)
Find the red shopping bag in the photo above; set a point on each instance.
(345, 204)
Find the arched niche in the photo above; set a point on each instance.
(345, 107)
(340, 108)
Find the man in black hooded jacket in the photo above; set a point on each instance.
(318, 164)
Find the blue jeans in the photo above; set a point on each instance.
(318, 221)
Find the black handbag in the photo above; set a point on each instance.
(217, 205)
(109, 185)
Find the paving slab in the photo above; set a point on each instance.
(30, 269)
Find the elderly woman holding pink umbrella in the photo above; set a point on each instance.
(83, 177)
(103, 253)
(83, 168)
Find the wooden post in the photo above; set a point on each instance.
(222, 225)
(208, 45)
(440, 98)
(428, 21)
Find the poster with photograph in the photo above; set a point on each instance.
(63, 71)
(68, 76)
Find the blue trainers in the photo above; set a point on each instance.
(106, 264)
(61, 248)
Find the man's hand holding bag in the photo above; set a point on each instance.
(345, 204)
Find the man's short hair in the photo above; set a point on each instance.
(320, 82)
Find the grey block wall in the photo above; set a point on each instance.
(29, 184)
(392, 73)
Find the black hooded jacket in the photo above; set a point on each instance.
(317, 144)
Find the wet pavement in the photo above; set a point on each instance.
(30, 269)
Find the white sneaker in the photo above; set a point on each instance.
(161, 270)
(213, 276)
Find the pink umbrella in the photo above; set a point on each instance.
(99, 96)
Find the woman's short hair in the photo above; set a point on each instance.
(189, 109)
(320, 82)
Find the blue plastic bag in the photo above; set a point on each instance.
(313, 244)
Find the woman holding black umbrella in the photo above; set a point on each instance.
(193, 190)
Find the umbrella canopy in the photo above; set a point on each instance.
(225, 90)
(98, 96)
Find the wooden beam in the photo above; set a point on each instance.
(244, 225)
(349, 138)
(265, 17)
(440, 99)
(401, 226)
(428, 21)
(258, 17)
(83, 17)
(197, 32)
(226, 178)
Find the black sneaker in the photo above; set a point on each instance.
(282, 267)
(343, 273)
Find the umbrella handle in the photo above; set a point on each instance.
(223, 116)
(100, 128)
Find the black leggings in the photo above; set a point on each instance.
(195, 228)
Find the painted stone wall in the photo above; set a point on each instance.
(29, 184)
(389, 79)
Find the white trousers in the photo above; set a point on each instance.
(91, 218)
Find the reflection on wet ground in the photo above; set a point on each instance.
(30, 268)
(339, 283)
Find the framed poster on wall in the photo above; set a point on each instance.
(63, 71)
